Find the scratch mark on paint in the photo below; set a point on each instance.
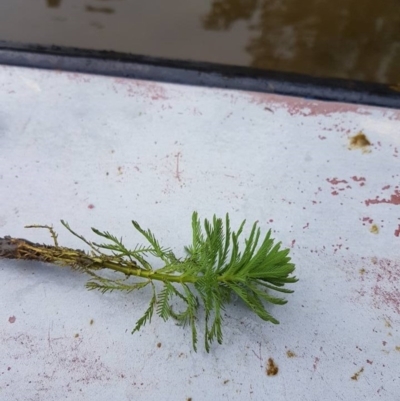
(177, 171)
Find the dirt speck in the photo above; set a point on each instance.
(360, 141)
(12, 319)
(76, 335)
(290, 354)
(91, 322)
(374, 229)
(226, 381)
(272, 369)
(370, 362)
(158, 345)
(397, 348)
(357, 374)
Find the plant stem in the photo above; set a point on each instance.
(22, 249)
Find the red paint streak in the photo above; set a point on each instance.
(306, 226)
(358, 179)
(91, 206)
(367, 219)
(386, 187)
(145, 89)
(12, 319)
(335, 181)
(397, 232)
(308, 108)
(293, 242)
(394, 199)
(321, 137)
(335, 193)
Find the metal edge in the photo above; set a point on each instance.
(125, 65)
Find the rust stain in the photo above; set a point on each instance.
(12, 319)
(397, 232)
(272, 369)
(360, 141)
(357, 374)
(394, 199)
(290, 354)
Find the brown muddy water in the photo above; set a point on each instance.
(356, 39)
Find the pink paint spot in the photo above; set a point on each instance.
(367, 219)
(358, 179)
(386, 187)
(306, 226)
(397, 232)
(293, 242)
(12, 319)
(334, 193)
(335, 181)
(91, 206)
(394, 199)
(271, 220)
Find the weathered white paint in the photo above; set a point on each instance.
(99, 152)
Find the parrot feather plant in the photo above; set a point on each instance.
(214, 269)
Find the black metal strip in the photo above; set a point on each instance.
(199, 74)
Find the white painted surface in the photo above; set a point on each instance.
(101, 151)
